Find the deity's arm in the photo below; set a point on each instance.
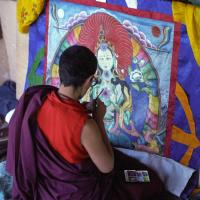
(126, 108)
(95, 91)
(119, 96)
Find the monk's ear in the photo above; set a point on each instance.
(88, 81)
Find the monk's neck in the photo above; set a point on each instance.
(70, 92)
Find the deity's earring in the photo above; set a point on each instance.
(97, 74)
(114, 71)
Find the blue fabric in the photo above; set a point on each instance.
(117, 2)
(7, 97)
(5, 183)
(36, 42)
(160, 6)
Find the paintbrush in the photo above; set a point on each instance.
(99, 95)
(89, 105)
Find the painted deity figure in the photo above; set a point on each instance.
(115, 92)
(110, 42)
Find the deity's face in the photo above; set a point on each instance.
(105, 59)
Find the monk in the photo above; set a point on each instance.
(58, 149)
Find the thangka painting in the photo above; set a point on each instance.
(137, 65)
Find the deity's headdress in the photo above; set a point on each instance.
(102, 42)
(112, 32)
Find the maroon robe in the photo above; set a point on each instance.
(39, 172)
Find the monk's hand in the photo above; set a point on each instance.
(90, 106)
(99, 110)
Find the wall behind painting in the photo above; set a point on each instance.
(16, 44)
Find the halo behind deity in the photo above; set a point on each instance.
(115, 34)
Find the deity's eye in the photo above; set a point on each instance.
(101, 58)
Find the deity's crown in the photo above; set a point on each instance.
(103, 44)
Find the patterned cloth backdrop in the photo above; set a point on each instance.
(142, 71)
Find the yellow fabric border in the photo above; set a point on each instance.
(27, 12)
(190, 16)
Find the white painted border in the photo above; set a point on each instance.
(130, 3)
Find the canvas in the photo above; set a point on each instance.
(137, 65)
